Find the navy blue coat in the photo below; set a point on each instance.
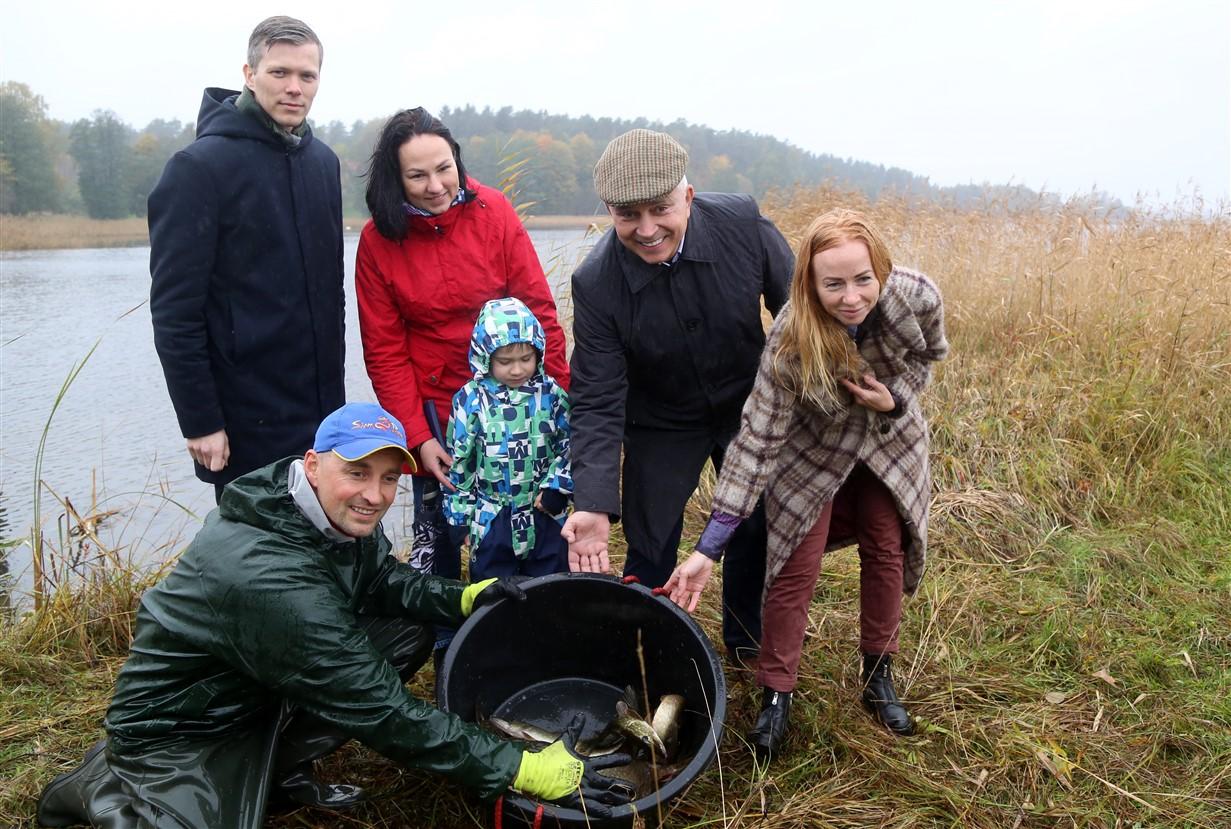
(246, 295)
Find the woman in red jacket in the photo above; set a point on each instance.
(439, 245)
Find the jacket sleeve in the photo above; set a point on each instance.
(779, 266)
(921, 334)
(308, 648)
(459, 505)
(753, 455)
(560, 474)
(383, 334)
(525, 281)
(599, 396)
(183, 220)
(400, 590)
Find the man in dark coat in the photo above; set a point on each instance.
(668, 332)
(246, 259)
(283, 631)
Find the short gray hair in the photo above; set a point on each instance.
(281, 29)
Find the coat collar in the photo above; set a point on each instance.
(897, 320)
(309, 504)
(698, 247)
(439, 224)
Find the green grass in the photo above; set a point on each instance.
(1068, 655)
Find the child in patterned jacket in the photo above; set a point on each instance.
(509, 438)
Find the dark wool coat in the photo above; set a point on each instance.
(799, 457)
(670, 349)
(246, 294)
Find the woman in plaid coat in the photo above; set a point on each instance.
(834, 437)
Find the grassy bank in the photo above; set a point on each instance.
(50, 232)
(1069, 653)
(53, 232)
(567, 222)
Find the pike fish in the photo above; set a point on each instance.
(666, 722)
(636, 726)
(524, 731)
(645, 777)
(602, 744)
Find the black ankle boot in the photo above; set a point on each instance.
(301, 788)
(768, 734)
(880, 698)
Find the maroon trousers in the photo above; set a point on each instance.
(863, 507)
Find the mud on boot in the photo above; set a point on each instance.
(879, 696)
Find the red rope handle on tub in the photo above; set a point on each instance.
(499, 814)
(630, 580)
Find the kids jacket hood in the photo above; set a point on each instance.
(504, 322)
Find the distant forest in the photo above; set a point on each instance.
(103, 167)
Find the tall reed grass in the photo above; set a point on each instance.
(64, 231)
(1069, 654)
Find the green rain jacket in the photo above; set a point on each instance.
(261, 609)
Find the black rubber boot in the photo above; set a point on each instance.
(879, 696)
(769, 733)
(301, 788)
(64, 801)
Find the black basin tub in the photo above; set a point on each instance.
(576, 642)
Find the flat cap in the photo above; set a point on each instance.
(638, 166)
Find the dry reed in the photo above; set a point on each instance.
(47, 232)
(1068, 655)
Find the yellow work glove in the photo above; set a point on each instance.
(490, 591)
(549, 774)
(557, 773)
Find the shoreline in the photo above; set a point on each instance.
(61, 231)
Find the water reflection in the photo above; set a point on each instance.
(115, 475)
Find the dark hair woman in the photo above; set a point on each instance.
(439, 245)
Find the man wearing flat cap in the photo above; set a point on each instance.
(668, 332)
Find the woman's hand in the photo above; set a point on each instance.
(437, 461)
(873, 394)
(688, 581)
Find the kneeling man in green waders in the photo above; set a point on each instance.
(284, 630)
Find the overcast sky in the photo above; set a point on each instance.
(1129, 96)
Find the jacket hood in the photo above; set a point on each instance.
(261, 499)
(504, 322)
(218, 116)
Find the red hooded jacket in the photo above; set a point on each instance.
(419, 299)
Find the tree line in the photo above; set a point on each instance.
(105, 168)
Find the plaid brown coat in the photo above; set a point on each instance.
(799, 456)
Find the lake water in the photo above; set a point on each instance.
(113, 442)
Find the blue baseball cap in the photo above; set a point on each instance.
(358, 429)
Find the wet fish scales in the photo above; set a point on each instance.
(637, 728)
(666, 722)
(526, 732)
(645, 777)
